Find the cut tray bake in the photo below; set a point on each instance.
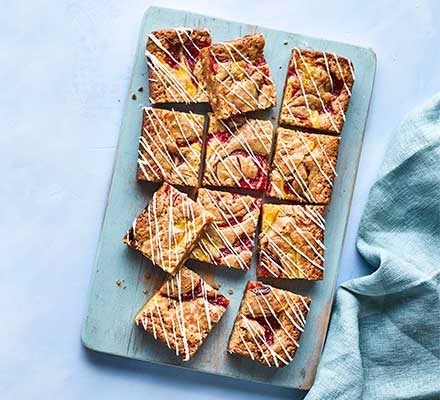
(122, 280)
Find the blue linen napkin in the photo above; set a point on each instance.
(384, 336)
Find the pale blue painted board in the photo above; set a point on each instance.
(108, 326)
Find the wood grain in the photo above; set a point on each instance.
(108, 325)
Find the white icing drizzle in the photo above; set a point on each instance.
(225, 165)
(286, 331)
(161, 322)
(281, 255)
(321, 100)
(178, 280)
(301, 135)
(157, 145)
(171, 138)
(165, 75)
(298, 324)
(274, 355)
(341, 111)
(245, 58)
(218, 231)
(326, 156)
(274, 315)
(294, 315)
(245, 143)
(342, 73)
(306, 192)
(251, 330)
(237, 83)
(161, 149)
(289, 243)
(327, 67)
(157, 237)
(157, 65)
(330, 117)
(182, 65)
(227, 45)
(251, 355)
(302, 87)
(301, 233)
(305, 304)
(245, 146)
(314, 216)
(240, 84)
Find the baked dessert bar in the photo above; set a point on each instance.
(291, 242)
(170, 147)
(166, 231)
(229, 240)
(237, 153)
(317, 91)
(269, 324)
(183, 312)
(303, 167)
(175, 74)
(237, 76)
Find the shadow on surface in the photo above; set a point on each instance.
(185, 379)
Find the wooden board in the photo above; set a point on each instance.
(108, 325)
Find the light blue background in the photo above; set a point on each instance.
(64, 73)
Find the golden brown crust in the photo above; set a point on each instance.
(167, 229)
(229, 240)
(183, 312)
(304, 166)
(170, 147)
(317, 91)
(269, 324)
(237, 76)
(237, 153)
(291, 242)
(181, 81)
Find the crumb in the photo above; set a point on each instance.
(285, 42)
(280, 67)
(119, 100)
(145, 291)
(231, 292)
(273, 118)
(118, 282)
(140, 89)
(147, 275)
(133, 97)
(125, 287)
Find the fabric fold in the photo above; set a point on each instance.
(384, 335)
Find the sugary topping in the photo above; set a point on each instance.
(173, 57)
(237, 153)
(169, 225)
(317, 90)
(269, 324)
(229, 240)
(183, 312)
(170, 146)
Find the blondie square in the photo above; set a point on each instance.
(304, 167)
(183, 312)
(317, 91)
(269, 324)
(237, 76)
(168, 228)
(170, 147)
(237, 153)
(291, 242)
(175, 74)
(229, 240)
